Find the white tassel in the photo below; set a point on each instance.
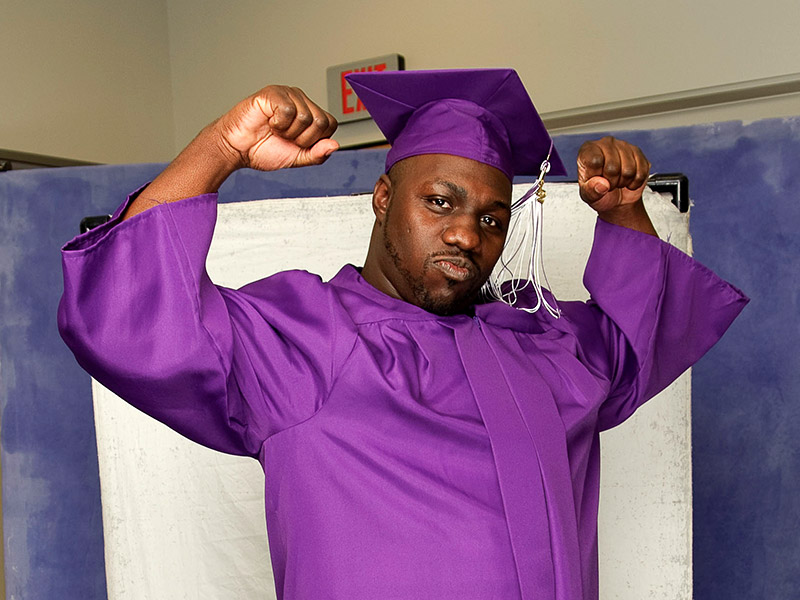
(521, 263)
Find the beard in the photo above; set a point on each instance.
(443, 306)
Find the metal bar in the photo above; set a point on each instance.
(676, 184)
(648, 105)
(41, 160)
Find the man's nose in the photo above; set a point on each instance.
(463, 231)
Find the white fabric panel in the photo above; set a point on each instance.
(182, 521)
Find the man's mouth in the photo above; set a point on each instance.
(455, 267)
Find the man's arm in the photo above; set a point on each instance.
(658, 311)
(142, 316)
(612, 175)
(275, 128)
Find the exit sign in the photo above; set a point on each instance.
(342, 100)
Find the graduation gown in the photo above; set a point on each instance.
(407, 455)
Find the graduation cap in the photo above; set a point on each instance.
(485, 115)
(482, 114)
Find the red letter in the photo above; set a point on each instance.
(346, 91)
(359, 104)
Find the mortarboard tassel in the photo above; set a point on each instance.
(521, 263)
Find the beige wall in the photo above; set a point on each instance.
(121, 81)
(86, 79)
(569, 53)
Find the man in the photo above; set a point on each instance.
(417, 442)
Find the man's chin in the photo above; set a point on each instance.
(447, 306)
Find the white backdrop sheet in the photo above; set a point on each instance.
(183, 521)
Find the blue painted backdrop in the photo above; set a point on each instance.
(746, 399)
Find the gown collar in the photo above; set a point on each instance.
(368, 304)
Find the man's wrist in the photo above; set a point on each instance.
(632, 215)
(214, 141)
(201, 168)
(209, 151)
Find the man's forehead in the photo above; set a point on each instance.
(461, 176)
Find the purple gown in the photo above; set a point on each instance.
(407, 455)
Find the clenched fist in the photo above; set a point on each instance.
(275, 128)
(611, 173)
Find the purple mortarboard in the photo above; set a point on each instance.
(482, 114)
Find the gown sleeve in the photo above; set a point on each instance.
(660, 312)
(225, 368)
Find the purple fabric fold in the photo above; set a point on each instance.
(674, 310)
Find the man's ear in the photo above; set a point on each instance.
(381, 197)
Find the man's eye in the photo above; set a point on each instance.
(491, 221)
(440, 202)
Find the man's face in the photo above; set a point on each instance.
(441, 222)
